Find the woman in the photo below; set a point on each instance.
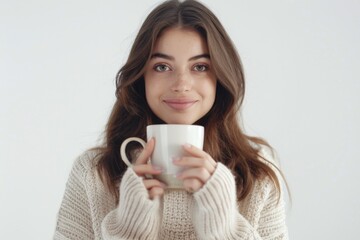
(182, 69)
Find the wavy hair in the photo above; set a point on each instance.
(224, 138)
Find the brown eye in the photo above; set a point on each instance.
(161, 68)
(201, 67)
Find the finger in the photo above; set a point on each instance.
(146, 169)
(146, 152)
(156, 192)
(150, 183)
(194, 162)
(199, 173)
(197, 152)
(192, 184)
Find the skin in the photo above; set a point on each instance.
(180, 85)
(180, 88)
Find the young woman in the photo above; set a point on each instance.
(182, 69)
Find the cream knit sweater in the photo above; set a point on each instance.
(89, 211)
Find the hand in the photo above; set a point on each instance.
(142, 168)
(199, 167)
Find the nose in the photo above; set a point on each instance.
(183, 83)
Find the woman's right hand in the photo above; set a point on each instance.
(142, 168)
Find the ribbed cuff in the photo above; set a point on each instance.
(137, 217)
(216, 208)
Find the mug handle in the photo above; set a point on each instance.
(123, 148)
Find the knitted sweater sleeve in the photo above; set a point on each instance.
(74, 218)
(217, 216)
(136, 217)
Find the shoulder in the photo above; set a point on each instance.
(267, 154)
(274, 186)
(85, 163)
(269, 157)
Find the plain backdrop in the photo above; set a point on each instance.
(58, 61)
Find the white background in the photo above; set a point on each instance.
(58, 61)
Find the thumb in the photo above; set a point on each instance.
(146, 152)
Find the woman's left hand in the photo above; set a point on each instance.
(198, 168)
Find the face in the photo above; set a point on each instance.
(180, 84)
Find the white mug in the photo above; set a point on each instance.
(169, 141)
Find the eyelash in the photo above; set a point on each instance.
(202, 65)
(160, 65)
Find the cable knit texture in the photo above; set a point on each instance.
(89, 211)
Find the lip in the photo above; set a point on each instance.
(179, 104)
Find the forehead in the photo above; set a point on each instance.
(180, 40)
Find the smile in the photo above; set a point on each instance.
(179, 104)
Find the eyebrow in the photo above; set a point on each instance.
(168, 57)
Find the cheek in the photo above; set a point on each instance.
(149, 83)
(211, 94)
(152, 90)
(208, 89)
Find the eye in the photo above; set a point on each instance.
(161, 68)
(201, 67)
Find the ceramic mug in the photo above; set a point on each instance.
(169, 141)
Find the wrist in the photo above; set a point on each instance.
(136, 215)
(216, 205)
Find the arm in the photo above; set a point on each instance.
(136, 217)
(216, 214)
(138, 213)
(74, 219)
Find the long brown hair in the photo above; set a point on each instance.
(224, 138)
